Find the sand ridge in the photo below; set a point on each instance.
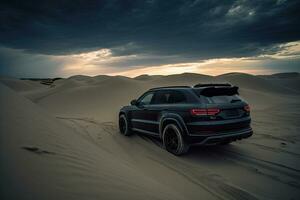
(62, 142)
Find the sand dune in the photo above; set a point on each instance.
(21, 85)
(255, 83)
(41, 158)
(93, 96)
(62, 142)
(289, 80)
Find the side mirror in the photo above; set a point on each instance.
(134, 102)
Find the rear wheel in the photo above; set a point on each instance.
(124, 126)
(173, 140)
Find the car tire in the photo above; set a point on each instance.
(173, 141)
(124, 125)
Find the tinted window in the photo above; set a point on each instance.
(169, 97)
(223, 99)
(146, 100)
(219, 95)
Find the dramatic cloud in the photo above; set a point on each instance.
(23, 64)
(146, 33)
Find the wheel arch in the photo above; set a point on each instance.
(127, 115)
(122, 113)
(172, 118)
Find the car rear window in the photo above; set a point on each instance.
(222, 99)
(219, 95)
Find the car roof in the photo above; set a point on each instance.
(170, 87)
(197, 86)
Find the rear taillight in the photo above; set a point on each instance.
(213, 111)
(247, 108)
(203, 111)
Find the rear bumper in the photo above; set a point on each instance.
(220, 137)
(212, 127)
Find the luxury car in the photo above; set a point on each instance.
(182, 116)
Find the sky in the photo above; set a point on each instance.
(61, 38)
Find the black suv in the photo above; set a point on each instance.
(182, 116)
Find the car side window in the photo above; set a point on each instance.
(177, 97)
(169, 97)
(161, 97)
(146, 100)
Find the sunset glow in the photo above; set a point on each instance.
(104, 62)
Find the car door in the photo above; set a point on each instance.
(166, 101)
(143, 119)
(151, 112)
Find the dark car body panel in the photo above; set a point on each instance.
(230, 124)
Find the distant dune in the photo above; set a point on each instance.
(282, 75)
(106, 94)
(61, 141)
(289, 80)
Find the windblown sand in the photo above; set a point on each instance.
(62, 142)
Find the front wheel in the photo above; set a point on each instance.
(124, 126)
(173, 140)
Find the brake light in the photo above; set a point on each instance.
(198, 112)
(247, 108)
(204, 112)
(213, 111)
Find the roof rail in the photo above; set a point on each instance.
(177, 86)
(211, 84)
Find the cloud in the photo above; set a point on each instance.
(189, 28)
(20, 63)
(68, 37)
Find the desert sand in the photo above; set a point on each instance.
(61, 141)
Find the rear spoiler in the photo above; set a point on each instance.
(219, 91)
(211, 85)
